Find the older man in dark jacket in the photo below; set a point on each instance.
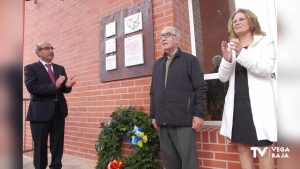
(178, 94)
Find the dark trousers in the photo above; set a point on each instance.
(40, 131)
(178, 147)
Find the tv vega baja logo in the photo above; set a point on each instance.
(274, 152)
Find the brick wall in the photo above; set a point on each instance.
(181, 21)
(72, 27)
(214, 150)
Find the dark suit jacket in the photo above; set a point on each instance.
(43, 93)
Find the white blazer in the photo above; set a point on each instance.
(259, 59)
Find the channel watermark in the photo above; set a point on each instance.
(274, 152)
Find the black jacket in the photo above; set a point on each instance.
(183, 96)
(43, 93)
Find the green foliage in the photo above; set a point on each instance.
(109, 141)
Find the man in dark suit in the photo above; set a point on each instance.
(47, 82)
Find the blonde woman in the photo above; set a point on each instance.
(249, 118)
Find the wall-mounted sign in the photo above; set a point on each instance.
(110, 29)
(111, 62)
(126, 43)
(133, 23)
(110, 45)
(134, 53)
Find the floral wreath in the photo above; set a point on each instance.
(134, 127)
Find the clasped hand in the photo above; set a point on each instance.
(70, 82)
(227, 48)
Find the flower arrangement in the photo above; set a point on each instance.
(138, 137)
(127, 123)
(115, 164)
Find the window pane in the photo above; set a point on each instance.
(215, 99)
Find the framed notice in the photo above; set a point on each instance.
(134, 53)
(110, 45)
(111, 62)
(110, 29)
(126, 43)
(133, 23)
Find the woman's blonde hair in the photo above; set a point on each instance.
(252, 19)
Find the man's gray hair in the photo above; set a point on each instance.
(176, 31)
(37, 48)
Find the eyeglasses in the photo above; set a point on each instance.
(47, 48)
(165, 35)
(239, 19)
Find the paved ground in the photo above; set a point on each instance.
(69, 162)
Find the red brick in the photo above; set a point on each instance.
(161, 7)
(108, 102)
(121, 102)
(146, 89)
(135, 102)
(227, 156)
(204, 137)
(232, 165)
(121, 90)
(164, 19)
(135, 89)
(205, 154)
(114, 85)
(213, 147)
(231, 148)
(213, 137)
(142, 95)
(214, 163)
(158, 14)
(127, 96)
(114, 97)
(221, 139)
(109, 91)
(127, 83)
(141, 82)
